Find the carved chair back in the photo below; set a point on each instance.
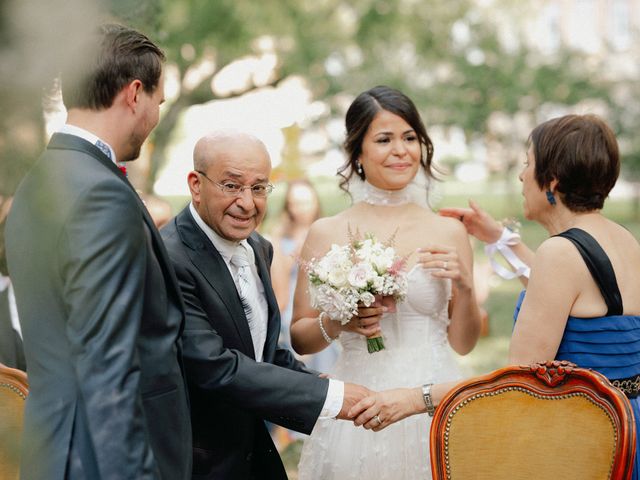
(550, 420)
(13, 393)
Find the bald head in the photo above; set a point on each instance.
(230, 159)
(223, 143)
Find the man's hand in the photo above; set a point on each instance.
(353, 393)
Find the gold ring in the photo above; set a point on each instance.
(377, 419)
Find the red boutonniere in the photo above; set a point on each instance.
(123, 169)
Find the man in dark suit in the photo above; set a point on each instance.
(236, 374)
(99, 305)
(11, 351)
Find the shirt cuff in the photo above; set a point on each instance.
(333, 402)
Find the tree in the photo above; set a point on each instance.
(446, 55)
(304, 37)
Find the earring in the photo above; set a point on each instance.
(550, 198)
(358, 168)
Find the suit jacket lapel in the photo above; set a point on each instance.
(273, 327)
(206, 258)
(71, 142)
(62, 141)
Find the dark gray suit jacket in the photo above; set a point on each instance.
(11, 352)
(101, 316)
(230, 392)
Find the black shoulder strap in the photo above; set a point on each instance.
(599, 265)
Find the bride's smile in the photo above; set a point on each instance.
(391, 152)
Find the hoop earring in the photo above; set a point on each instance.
(550, 197)
(358, 168)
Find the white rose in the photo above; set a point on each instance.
(322, 273)
(337, 277)
(382, 262)
(360, 275)
(367, 299)
(378, 283)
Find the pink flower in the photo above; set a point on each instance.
(398, 266)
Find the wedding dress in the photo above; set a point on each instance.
(416, 351)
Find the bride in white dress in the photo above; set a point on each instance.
(389, 154)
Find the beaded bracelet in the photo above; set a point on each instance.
(324, 333)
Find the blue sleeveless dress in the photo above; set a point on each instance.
(609, 344)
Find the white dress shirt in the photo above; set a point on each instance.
(335, 393)
(5, 282)
(88, 136)
(227, 249)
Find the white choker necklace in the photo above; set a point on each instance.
(390, 198)
(416, 192)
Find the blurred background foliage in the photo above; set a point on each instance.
(450, 57)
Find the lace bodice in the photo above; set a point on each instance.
(420, 320)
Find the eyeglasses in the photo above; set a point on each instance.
(259, 190)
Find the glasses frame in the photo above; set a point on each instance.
(268, 188)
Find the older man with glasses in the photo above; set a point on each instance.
(237, 375)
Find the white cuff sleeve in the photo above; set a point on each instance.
(333, 402)
(503, 245)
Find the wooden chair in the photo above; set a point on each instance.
(546, 421)
(13, 393)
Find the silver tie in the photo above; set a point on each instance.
(248, 291)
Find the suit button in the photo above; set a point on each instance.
(249, 456)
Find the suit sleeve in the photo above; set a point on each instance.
(289, 398)
(103, 270)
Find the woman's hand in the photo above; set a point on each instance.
(477, 222)
(445, 263)
(367, 322)
(382, 409)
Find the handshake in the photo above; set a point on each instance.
(377, 410)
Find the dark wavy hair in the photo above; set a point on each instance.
(360, 115)
(118, 55)
(581, 153)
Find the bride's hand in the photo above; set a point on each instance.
(367, 322)
(382, 409)
(445, 263)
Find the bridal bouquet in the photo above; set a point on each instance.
(354, 274)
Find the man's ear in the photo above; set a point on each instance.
(132, 94)
(193, 179)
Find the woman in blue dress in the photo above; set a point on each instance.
(582, 301)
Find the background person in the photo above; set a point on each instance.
(301, 208)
